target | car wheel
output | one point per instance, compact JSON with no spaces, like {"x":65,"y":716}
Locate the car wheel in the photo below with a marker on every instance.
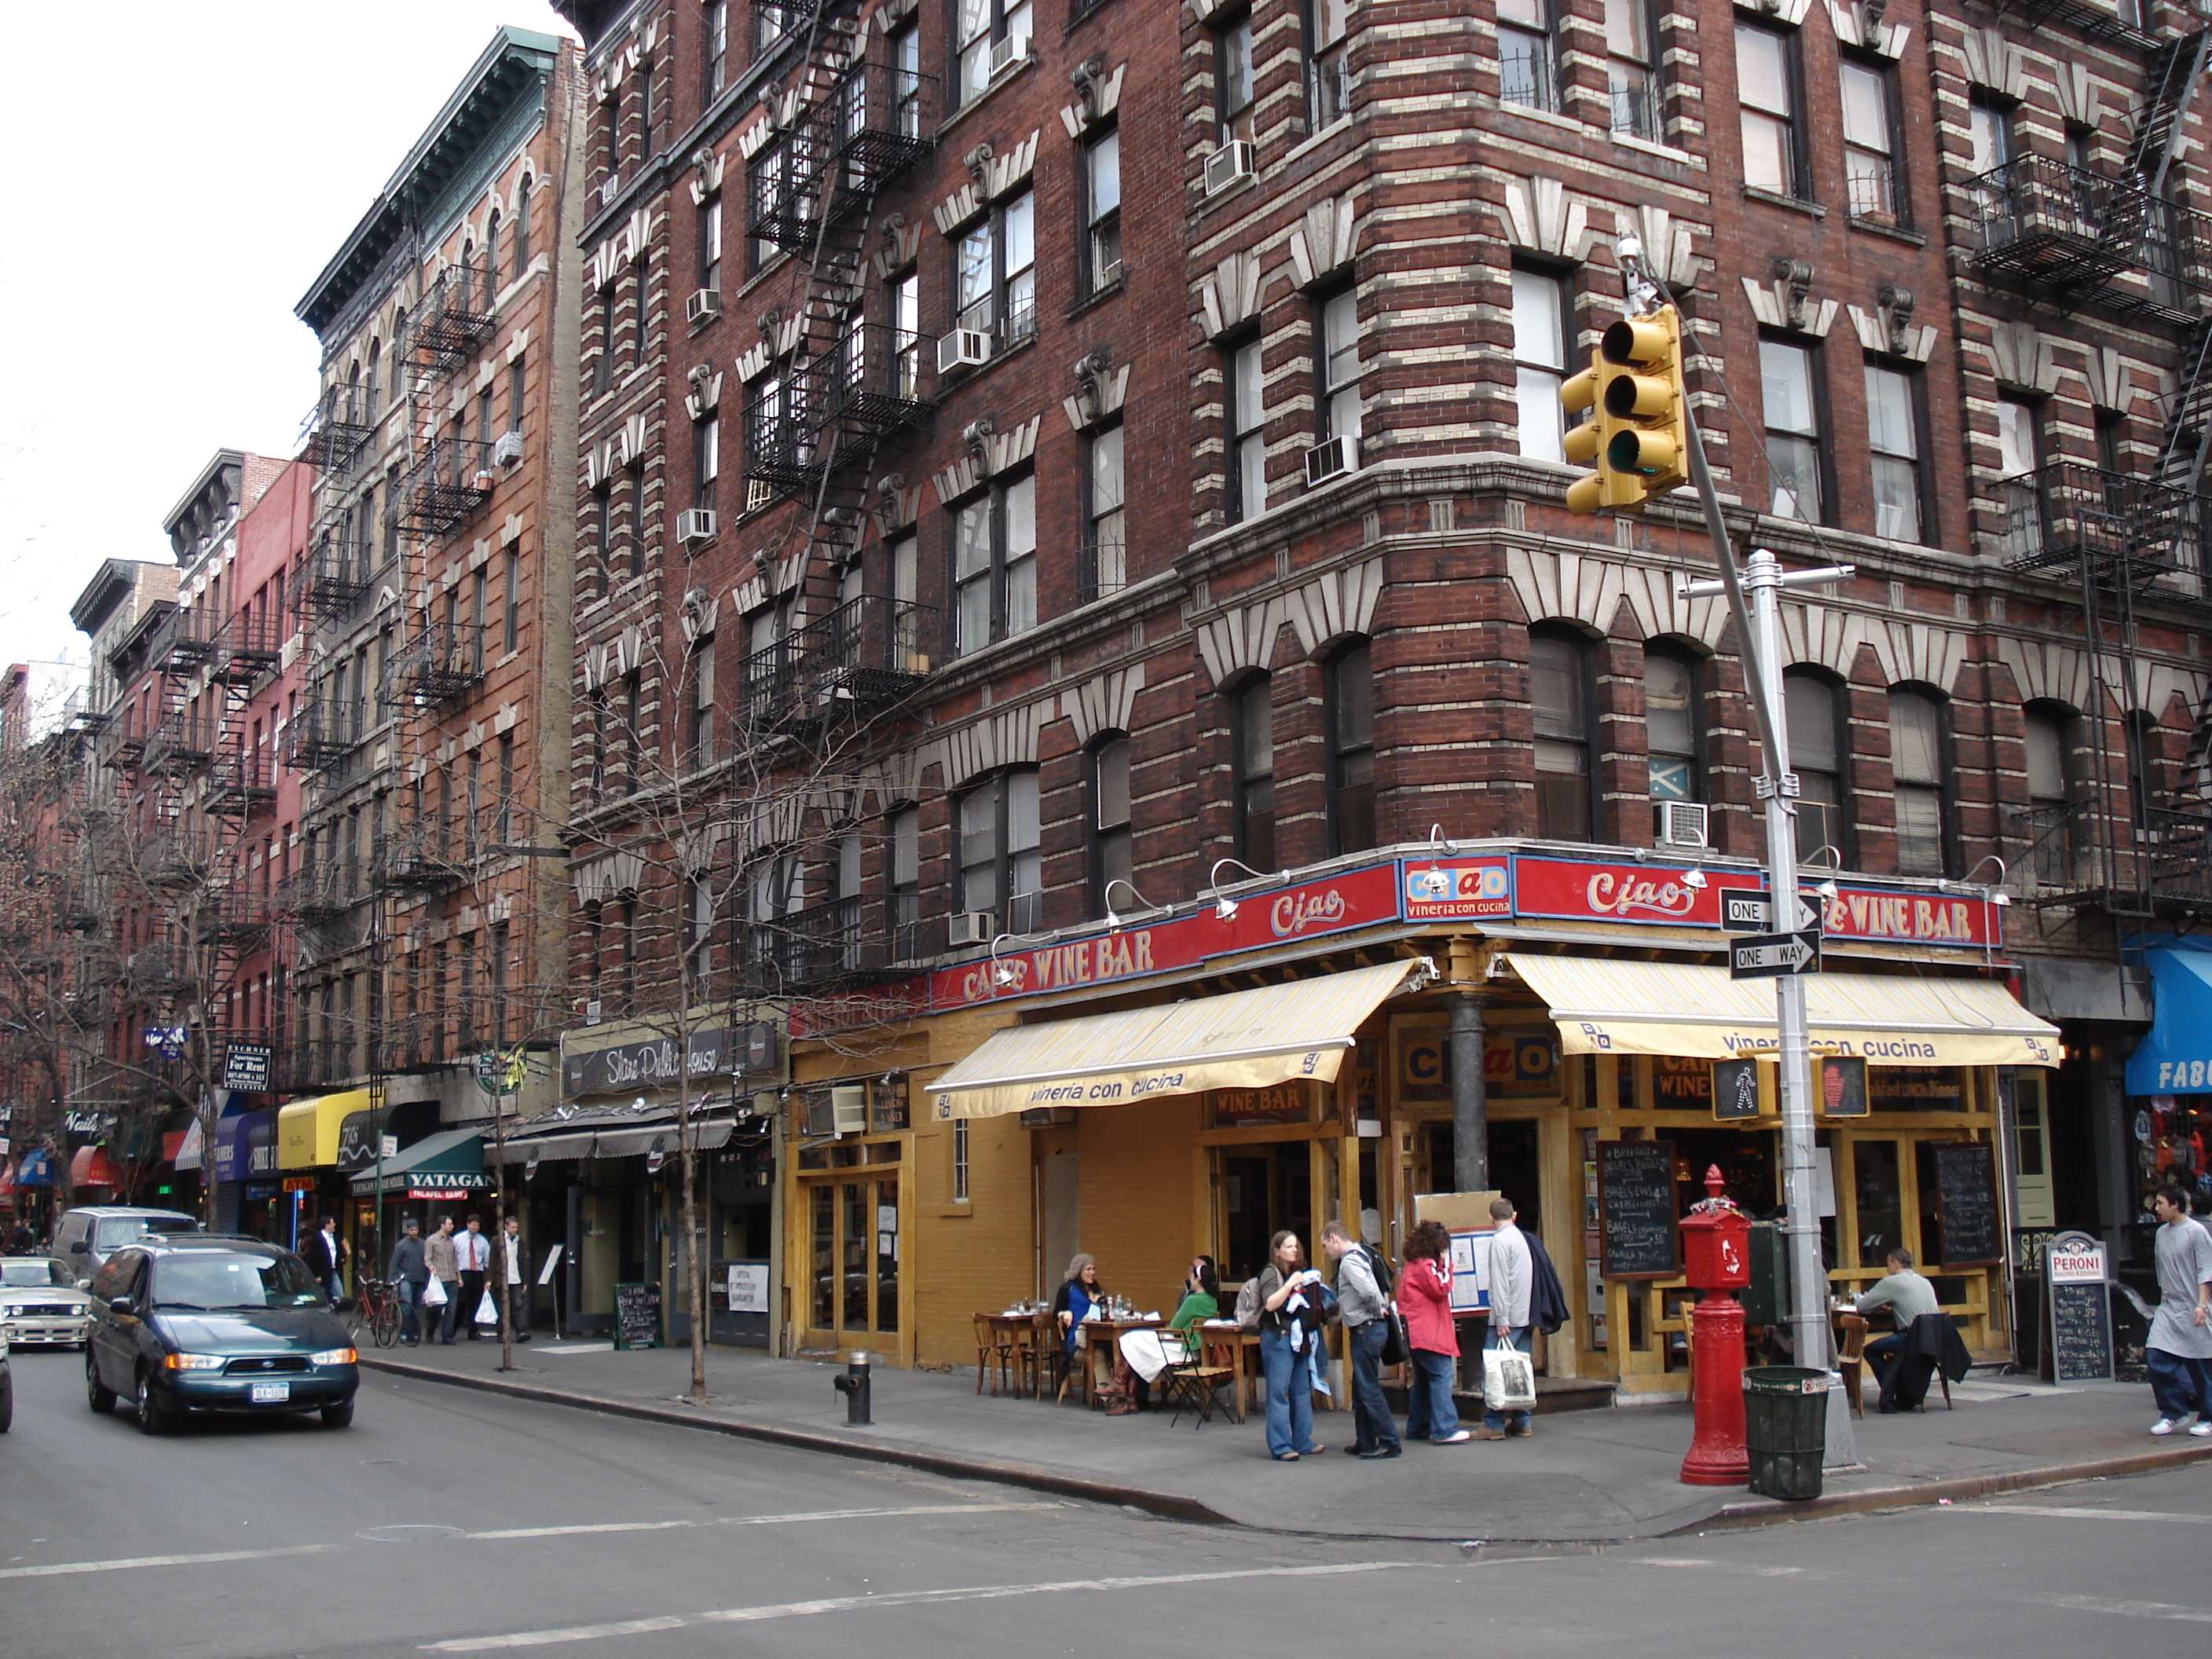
{"x":339,"y":1416}
{"x":154,"y":1417}
{"x":97,"y":1394}
{"x":7,"y":1405}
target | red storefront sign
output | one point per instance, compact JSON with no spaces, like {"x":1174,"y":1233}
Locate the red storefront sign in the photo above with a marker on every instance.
{"x":1455,"y":890}
{"x":1913,"y":918}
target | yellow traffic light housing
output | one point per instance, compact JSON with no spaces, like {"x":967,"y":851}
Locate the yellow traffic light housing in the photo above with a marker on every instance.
{"x":1636,"y":434}
{"x":1585,"y":441}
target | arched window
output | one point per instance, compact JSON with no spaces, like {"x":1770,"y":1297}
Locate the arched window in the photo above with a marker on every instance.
{"x":1920,"y":766}
{"x":522,"y":229}
{"x":1817,"y":756}
{"x":375,"y":365}
{"x":1559,"y":705}
{"x":353,"y":395}
{"x":1252,"y":733}
{"x":1673,"y":724}
{"x":1111,"y":854}
{"x":491,"y":260}
{"x":2053,"y":791}
{"x":1001,"y":863}
{"x":1349,"y":707}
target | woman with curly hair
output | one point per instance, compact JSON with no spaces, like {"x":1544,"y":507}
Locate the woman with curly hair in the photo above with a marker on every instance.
{"x":1424,"y":1299}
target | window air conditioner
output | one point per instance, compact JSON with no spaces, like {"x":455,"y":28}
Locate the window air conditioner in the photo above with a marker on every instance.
{"x":1331,"y":459}
{"x":1227,"y":165}
{"x":703,"y":307}
{"x":506,"y":449}
{"x":610,"y":187}
{"x":1681,"y":823}
{"x":973,"y":928}
{"x":848,"y":1108}
{"x":964,"y":348}
{"x":695,"y":525}
{"x":1008,"y":53}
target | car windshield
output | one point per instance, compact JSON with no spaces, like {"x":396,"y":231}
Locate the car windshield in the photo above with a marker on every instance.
{"x":115,"y":1231}
{"x":234,"y":1281}
{"x":37,"y":1272}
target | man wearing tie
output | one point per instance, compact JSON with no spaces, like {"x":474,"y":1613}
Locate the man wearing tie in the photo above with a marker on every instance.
{"x":472,"y":1255}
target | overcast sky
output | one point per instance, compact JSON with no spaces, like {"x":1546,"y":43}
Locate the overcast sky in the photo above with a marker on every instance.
{"x":172,"y":196}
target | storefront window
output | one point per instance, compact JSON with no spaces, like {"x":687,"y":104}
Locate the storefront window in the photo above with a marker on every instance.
{"x":1881,"y":1201}
{"x":886,"y":1232}
{"x":856,"y":1256}
{"x":1917,"y":1087}
{"x":824,"y":1222}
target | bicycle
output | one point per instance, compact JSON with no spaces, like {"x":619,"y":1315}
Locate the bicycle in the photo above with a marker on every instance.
{"x":377,"y":1306}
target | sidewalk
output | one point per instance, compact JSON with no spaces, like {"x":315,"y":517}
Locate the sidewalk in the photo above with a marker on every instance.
{"x":1583,"y":1477}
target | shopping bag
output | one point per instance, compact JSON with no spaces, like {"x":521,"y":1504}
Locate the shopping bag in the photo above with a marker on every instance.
{"x":487,"y":1309}
{"x":434,"y":1293}
{"x":1509,"y":1380}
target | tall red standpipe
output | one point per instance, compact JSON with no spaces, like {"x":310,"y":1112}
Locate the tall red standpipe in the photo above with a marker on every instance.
{"x":1717,"y":1260}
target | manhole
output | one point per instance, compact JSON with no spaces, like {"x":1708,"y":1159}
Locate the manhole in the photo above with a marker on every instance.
{"x":409,"y":1532}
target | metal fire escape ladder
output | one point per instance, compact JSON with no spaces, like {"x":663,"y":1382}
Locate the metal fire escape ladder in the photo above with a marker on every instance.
{"x":2168,"y":86}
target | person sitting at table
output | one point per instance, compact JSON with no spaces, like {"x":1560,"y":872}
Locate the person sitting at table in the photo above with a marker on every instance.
{"x":1079,"y":1293}
{"x":1201,"y":1295}
{"x":1907,"y":1296}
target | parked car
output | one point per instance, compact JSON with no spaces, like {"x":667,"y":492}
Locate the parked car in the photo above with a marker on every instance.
{"x":39,"y":1302}
{"x":203,"y":1323}
{"x":85,"y":1239}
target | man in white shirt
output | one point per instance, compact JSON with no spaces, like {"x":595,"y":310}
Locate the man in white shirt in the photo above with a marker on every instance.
{"x":472,"y":1255}
{"x":509,"y":1261}
{"x":1512,"y":1279}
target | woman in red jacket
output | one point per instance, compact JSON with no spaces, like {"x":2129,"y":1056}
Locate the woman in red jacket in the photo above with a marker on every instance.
{"x":1424,"y":1299}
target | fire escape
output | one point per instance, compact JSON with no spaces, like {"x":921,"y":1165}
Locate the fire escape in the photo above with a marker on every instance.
{"x":2121,"y":245}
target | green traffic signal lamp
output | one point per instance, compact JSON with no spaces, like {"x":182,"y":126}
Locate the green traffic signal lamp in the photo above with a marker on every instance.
{"x":1646,"y":406}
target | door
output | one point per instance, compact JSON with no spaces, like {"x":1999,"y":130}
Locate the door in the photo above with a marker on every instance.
{"x":853,"y":1249}
{"x":2034,"y":1201}
{"x":1061,"y":1185}
{"x":1265,"y":1188}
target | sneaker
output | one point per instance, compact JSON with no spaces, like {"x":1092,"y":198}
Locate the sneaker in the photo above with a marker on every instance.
{"x":1454,"y":1439}
{"x":1381,"y":1451}
{"x":1287,"y":1457}
{"x":2164,"y":1426}
{"x":1486,"y":1434}
{"x":1315,"y":1451}
{"x":1519,"y":1429}
{"x":2200,"y":1428}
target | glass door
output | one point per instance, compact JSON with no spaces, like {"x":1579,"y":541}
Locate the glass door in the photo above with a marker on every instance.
{"x":854,"y":1247}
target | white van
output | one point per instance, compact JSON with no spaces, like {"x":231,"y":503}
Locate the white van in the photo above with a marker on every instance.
{"x":86,"y":1238}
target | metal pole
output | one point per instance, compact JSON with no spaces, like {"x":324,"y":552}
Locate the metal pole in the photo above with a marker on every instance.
{"x":1470,"y":1098}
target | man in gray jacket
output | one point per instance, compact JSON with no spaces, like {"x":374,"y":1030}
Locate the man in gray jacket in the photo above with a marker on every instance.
{"x":409,"y":1271}
{"x":1360,"y":1304}
{"x":1512,"y":1276}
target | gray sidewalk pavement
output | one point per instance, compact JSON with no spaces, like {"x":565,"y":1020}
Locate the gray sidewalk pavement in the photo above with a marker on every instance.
{"x":1583,"y":1477}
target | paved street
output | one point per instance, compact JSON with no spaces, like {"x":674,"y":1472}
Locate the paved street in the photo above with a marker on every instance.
{"x":451,"y":1521}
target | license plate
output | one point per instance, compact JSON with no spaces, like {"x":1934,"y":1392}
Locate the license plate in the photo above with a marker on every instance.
{"x":272,"y":1393}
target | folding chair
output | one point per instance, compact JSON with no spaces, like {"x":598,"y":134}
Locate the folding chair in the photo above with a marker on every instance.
{"x":1188,"y":1380}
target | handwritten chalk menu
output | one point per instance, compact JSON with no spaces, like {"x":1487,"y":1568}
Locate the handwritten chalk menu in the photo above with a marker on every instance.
{"x":1967,"y":1201}
{"x":2079,"y":1308}
{"x":637,"y":1316}
{"x":1635,"y":1209}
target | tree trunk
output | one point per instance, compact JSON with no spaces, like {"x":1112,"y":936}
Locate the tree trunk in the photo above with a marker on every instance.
{"x":695,"y":1290}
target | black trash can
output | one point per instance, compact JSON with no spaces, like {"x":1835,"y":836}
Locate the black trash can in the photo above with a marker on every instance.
{"x":1785,"y":1429}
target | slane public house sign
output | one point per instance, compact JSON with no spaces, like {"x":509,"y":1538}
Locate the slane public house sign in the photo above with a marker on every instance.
{"x":651,"y":1062}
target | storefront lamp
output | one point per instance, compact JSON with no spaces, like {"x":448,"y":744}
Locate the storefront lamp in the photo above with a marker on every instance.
{"x":1694,"y":879}
{"x":1225,"y":908}
{"x":1115,"y":923}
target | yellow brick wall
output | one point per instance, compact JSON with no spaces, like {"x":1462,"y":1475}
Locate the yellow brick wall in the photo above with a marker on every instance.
{"x":1138,"y":1200}
{"x":974,"y":1257}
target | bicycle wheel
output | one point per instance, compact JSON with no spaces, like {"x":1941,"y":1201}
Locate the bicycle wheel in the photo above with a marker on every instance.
{"x":383,"y":1322}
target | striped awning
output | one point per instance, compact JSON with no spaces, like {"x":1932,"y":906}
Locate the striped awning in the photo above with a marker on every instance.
{"x":1241,"y":1040}
{"x":1607,"y":1007}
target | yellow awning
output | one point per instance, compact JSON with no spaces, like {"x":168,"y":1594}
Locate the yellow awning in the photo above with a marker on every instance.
{"x":1241,"y":1040}
{"x":307,"y":1130}
{"x":1606,"y":1007}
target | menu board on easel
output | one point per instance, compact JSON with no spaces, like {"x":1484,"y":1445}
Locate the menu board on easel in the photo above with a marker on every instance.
{"x":2079,"y":1310}
{"x":1637,"y":1235}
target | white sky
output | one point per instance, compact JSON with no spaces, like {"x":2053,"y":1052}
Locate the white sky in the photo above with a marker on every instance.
{"x":173,"y":197}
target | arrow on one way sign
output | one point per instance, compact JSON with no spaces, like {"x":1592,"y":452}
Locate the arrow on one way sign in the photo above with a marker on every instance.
{"x":1770,"y":955}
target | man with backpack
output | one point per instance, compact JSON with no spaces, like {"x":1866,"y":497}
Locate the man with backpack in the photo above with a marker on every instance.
{"x":1363,"y":1300}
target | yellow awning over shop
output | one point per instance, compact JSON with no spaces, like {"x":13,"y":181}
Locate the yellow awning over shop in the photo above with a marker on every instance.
{"x":1241,"y":1040}
{"x":1606,"y":1007}
{"x":307,"y":1130}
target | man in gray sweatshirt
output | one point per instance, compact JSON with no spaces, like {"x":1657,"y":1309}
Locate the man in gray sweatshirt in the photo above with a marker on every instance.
{"x":1512,"y":1278}
{"x":1360,"y":1304}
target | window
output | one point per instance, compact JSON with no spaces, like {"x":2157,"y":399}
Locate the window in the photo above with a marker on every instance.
{"x":1673,"y":727}
{"x":1232,"y":80}
{"x":706,"y":460}
{"x":1558,"y":690}
{"x":644,"y":110}
{"x":602,"y":537}
{"x":906,"y":334}
{"x":1105,"y":541}
{"x":1989,"y":134}
{"x":1524,"y":54}
{"x":637,"y":517}
{"x":714,"y":46}
{"x":1893,"y":440}
{"x":1766,"y":91}
{"x":376,"y":362}
{"x":994,"y":278}
{"x":1101,"y":207}
{"x":1349,"y":712}
{"x":1871,"y":183}
{"x":1110,"y":856}
{"x":1252,"y":733}
{"x":2018,"y":456}
{"x":1922,"y":778}
{"x":1246,"y":417}
{"x":699,"y":947}
{"x":510,"y":622}
{"x":603,"y":369}
{"x":2053,"y":812}
{"x":515,"y":401}
{"x":905,"y":908}
{"x":491,"y":260}
{"x":959,"y":1160}
{"x":1328,"y":73}
{"x":999,"y":859}
{"x":1540,"y":354}
{"x":1814,"y":721}
{"x":521,"y":229}
{"x":1791,"y":400}
{"x":710,"y":242}
{"x":905,"y":54}
{"x":775,"y":892}
{"x":484,"y":422}
{"x":503,"y":823}
{"x":2141,"y":735}
{"x":980,"y":26}
{"x":1631,"y":68}
{"x":637,"y":330}
{"x":700,"y":740}
{"x":994,"y":564}
{"x":1340,"y":365}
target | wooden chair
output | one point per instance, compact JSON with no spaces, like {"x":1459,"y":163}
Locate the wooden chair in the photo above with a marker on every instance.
{"x":1188,"y":1380}
{"x":1850,"y":1357}
{"x":994,"y":1354}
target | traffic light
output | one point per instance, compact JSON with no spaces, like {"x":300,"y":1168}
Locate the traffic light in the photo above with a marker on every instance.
{"x":1585,"y":442}
{"x":1639,"y":412}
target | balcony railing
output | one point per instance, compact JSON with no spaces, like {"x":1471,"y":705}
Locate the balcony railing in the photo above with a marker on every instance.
{"x":173,"y":857}
{"x":250,"y":646}
{"x":2051,"y":227}
{"x":316,"y":891}
{"x":238,"y":913}
{"x":182,"y":743}
{"x":456,"y":316}
{"x":428,"y":856}
{"x":2072,"y":520}
{"x":442,"y":662}
{"x":2159,"y":867}
{"x":451,"y":480}
{"x":870,"y":127}
{"x":869,"y":384}
{"x":320,"y":736}
{"x":330,"y":438}
{"x":334,"y":579}
{"x":1101,"y":565}
{"x":241,"y":780}
{"x":862,"y":657}
{"x":188,"y":637}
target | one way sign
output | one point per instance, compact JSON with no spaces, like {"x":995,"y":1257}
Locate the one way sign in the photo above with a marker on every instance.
{"x":1770,"y":955}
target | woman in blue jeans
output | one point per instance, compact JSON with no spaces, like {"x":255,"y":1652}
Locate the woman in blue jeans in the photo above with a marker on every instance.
{"x":1424,"y":1299}
{"x":1284,"y":1301}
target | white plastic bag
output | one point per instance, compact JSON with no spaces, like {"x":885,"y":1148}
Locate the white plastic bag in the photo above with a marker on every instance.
{"x":487,"y":1309}
{"x":1509,"y":1380}
{"x":434,"y":1293}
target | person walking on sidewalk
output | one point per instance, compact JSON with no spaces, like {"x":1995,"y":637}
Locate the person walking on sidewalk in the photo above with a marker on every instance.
{"x":410,"y":1272}
{"x":2180,"y":1336}
{"x":472,"y":1252}
{"x":1512,"y":1281}
{"x":1365,"y":1308}
{"x":445,"y":1267}
{"x":509,"y":1258}
{"x":325,"y":1252}
{"x":1425,"y":1298}
{"x":1283,"y":1303}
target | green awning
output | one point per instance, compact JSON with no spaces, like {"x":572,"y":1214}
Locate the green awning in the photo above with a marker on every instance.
{"x":447,"y":1164}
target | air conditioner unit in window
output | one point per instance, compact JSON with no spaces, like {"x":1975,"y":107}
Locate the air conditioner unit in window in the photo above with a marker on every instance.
{"x":1227,"y":166}
{"x":703,"y":307}
{"x":1331,"y":459}
{"x":610,"y":187}
{"x":1008,"y":53}
{"x":1681,"y":823}
{"x":506,"y":449}
{"x":695,"y":524}
{"x":964,"y":348}
{"x":972,"y":927}
{"x":848,"y":1108}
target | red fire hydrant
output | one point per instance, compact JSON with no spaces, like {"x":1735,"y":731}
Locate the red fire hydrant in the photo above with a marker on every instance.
{"x":1716,"y":1252}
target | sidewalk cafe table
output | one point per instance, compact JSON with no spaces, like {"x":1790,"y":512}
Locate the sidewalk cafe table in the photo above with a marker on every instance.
{"x":1101,"y":1340}
{"x":1227,"y":1342}
{"x":1019,"y":1332}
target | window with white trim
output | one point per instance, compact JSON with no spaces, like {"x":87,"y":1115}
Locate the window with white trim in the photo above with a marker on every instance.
{"x":980,"y":26}
{"x":994,"y":564}
{"x":1245,"y":415}
{"x":1340,"y":365}
{"x":1101,"y":209}
{"x":1328,"y":73}
{"x":1001,"y":863}
{"x":1540,"y":359}
{"x":994,"y":272}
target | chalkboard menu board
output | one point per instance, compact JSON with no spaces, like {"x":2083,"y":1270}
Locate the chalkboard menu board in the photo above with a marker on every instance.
{"x":2080,"y":1309}
{"x":1967,"y":1201}
{"x":1635,"y":1209}
{"x":637,"y":1316}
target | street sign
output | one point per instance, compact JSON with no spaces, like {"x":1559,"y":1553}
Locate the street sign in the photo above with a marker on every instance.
{"x":501,"y":1072}
{"x":1745,"y":910}
{"x":1770,"y":956}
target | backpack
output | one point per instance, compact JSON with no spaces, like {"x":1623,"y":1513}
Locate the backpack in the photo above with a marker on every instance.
{"x":1386,"y":1276}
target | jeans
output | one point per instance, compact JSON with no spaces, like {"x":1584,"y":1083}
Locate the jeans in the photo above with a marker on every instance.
{"x":410,"y":1310}
{"x":519,"y":1296}
{"x":2179,"y":1384}
{"x":446,"y":1314}
{"x":1370,"y":1413}
{"x":1517,"y":1421}
{"x":1880,"y":1355}
{"x":1430,"y":1413}
{"x":1290,"y":1395}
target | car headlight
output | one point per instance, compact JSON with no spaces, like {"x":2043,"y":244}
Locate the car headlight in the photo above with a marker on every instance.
{"x":193,"y":1362}
{"x":333,"y":1357}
